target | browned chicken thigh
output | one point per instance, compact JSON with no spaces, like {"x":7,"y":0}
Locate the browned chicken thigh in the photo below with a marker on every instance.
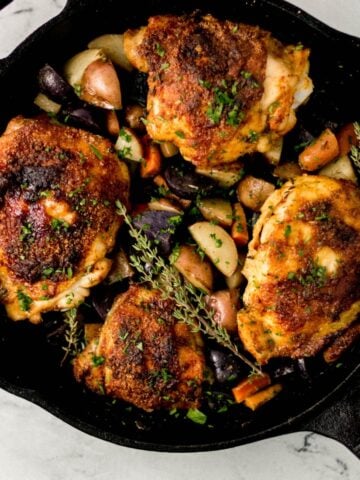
{"x":303,"y":269}
{"x":58,"y":220}
{"x":218,"y":89}
{"x":143,"y":355}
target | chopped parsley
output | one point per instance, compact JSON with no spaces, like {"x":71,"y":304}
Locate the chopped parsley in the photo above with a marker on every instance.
{"x":159,"y":49}
{"x":225,"y":105}
{"x":218,"y":241}
{"x":97,"y":360}
{"x":96,"y":152}
{"x":24,"y":301}
{"x":180,"y":134}
{"x":196,"y":416}
{"x":26,"y":232}
{"x":287,"y":231}
{"x":57,"y":224}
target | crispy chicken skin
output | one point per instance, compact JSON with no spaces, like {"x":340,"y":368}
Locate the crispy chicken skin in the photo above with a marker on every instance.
{"x":147,"y":357}
{"x":217,"y":89}
{"x":303,"y":269}
{"x":58,"y":218}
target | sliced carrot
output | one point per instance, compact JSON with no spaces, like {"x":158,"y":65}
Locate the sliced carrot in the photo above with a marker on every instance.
{"x":322,"y":151}
{"x":239,"y":230}
{"x":346,"y":138}
{"x":257,"y":400}
{"x":251,"y":385}
{"x":112,"y":123}
{"x":139,"y":208}
{"x":151,"y":164}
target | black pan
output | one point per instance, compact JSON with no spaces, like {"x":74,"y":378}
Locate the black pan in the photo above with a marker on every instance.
{"x":28,"y":366}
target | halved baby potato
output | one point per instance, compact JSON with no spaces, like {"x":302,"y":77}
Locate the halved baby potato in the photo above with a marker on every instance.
{"x":195,"y":269}
{"x":216,"y":210}
{"x":94,"y":79}
{"x":340,"y":168}
{"x":217,"y":245}
{"x":225,"y":175}
{"x":113,"y":46}
{"x":129,"y":146}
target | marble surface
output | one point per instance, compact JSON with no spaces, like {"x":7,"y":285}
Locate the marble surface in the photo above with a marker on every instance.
{"x":36,"y":446}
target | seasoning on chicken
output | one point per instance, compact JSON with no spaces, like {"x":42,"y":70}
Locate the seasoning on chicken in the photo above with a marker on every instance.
{"x":143,"y":355}
{"x":218,"y":89}
{"x":58,"y":187}
{"x":303,"y":269}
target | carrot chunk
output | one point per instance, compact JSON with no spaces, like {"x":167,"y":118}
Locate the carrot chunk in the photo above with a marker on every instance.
{"x":251,"y":385}
{"x":151,"y":164}
{"x":239,"y":230}
{"x":322,"y":151}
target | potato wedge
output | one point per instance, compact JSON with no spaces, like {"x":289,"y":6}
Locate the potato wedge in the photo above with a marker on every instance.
{"x":217,"y":245}
{"x":134,"y":115}
{"x":168,"y":149}
{"x":113,"y":46}
{"x":166,"y":205}
{"x":322,"y":151}
{"x":129,"y":146}
{"x":225,"y":306}
{"x":195,"y":269}
{"x":94,"y":79}
{"x":252,"y":192}
{"x":46,"y":104}
{"x":216,"y":210}
{"x":340,"y":168}
{"x":287,"y":171}
{"x":225,"y":175}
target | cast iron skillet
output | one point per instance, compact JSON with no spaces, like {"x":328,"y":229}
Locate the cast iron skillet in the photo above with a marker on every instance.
{"x":28,"y":366}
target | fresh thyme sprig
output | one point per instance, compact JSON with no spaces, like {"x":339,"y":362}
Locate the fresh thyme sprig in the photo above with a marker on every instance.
{"x":190,"y":304}
{"x":72,"y":334}
{"x":355,"y":149}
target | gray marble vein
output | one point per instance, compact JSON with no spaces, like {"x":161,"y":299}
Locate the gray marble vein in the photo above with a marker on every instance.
{"x":34,"y":445}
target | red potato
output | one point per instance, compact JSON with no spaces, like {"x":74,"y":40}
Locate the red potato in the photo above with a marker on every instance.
{"x":319,"y":153}
{"x":239,"y":230}
{"x":100,"y":85}
{"x":250,"y":386}
{"x":112,"y":123}
{"x":225,"y":306}
{"x":252,"y":192}
{"x":196,"y":270}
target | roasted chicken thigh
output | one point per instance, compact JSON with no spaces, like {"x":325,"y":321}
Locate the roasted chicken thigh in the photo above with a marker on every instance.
{"x":303,"y":269}
{"x":143,"y":355}
{"x":218,"y":89}
{"x":58,"y":220}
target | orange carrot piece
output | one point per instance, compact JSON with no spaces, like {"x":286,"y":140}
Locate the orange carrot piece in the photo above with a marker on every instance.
{"x":257,"y":400}
{"x":151,"y":164}
{"x":249,"y":386}
{"x":346,"y":139}
{"x":239,"y":230}
{"x":322,"y":151}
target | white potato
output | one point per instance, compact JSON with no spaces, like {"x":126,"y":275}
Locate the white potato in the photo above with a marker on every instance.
{"x":75,"y":67}
{"x":225,"y":175}
{"x":340,"y":168}
{"x":113,"y":46}
{"x":195,"y":269}
{"x":46,"y":104}
{"x":217,"y":245}
{"x":216,"y":210}
{"x":129,"y":146}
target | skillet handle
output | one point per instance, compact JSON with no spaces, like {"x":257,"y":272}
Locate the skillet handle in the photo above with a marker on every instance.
{"x":341,"y":421}
{"x":3,"y":3}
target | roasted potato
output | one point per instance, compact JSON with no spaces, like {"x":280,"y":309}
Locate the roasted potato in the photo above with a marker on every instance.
{"x":195,"y":269}
{"x":252,"y":192}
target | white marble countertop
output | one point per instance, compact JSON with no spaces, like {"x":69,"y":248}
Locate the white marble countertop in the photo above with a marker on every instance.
{"x":36,"y":446}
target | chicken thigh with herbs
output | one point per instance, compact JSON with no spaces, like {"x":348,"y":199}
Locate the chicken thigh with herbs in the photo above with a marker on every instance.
{"x":143,"y":355}
{"x":58,"y":220}
{"x":303,"y":269}
{"x":218,"y":89}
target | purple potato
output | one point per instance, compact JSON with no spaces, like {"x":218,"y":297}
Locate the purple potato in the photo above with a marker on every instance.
{"x":82,"y":116}
{"x":185,"y":182}
{"x":54,"y":86}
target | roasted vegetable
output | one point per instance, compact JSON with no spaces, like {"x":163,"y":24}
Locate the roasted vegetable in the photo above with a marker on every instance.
{"x":151,"y":162}
{"x":94,"y":79}
{"x":217,"y":245}
{"x":226,"y":368}
{"x":134,"y":116}
{"x":340,"y":168}
{"x":54,"y":86}
{"x":46,"y":104}
{"x":183,"y":180}
{"x":320,"y":152}
{"x":239,"y":230}
{"x":113,"y":46}
{"x":195,"y":269}
{"x":252,"y":192}
{"x":159,"y":227}
{"x":83,"y":116}
{"x":216,"y":210}
{"x":225,"y":304}
{"x":260,"y":398}
{"x":225,"y":175}
{"x":128,"y":145}
{"x":112,"y":123}
{"x":249,"y":386}
{"x":168,"y":149}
